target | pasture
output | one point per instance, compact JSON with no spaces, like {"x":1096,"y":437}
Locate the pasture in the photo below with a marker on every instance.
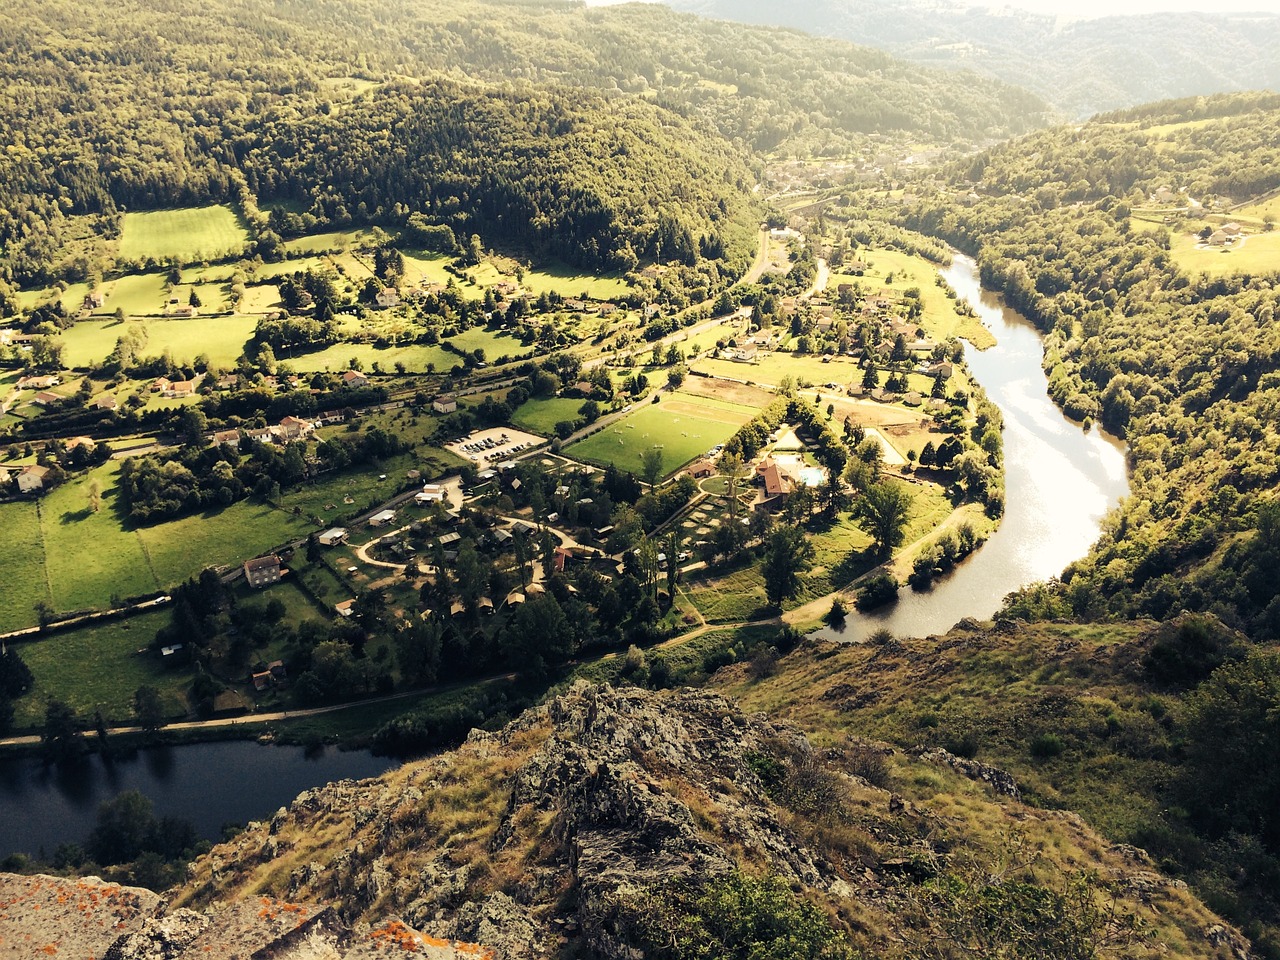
{"x":335,"y":241}
{"x":23,"y":581}
{"x":99,"y":668}
{"x":221,"y":339}
{"x":192,"y":233}
{"x":569,"y":282}
{"x":683,"y":425}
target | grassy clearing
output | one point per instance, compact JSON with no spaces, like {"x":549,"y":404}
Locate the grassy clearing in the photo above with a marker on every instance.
{"x":684,"y":425}
{"x":569,"y":283}
{"x":91,"y":556}
{"x":221,"y":339}
{"x":138,"y":294}
{"x":193,"y":233}
{"x":541,"y":416}
{"x":728,"y":598}
{"x":423,"y":267}
{"x":71,"y":297}
{"x":494,"y":343}
{"x":770,"y":368}
{"x":23,"y":579}
{"x":99,"y":668}
{"x":1257,"y":253}
{"x":335,"y":240}
{"x":182,"y":548}
{"x":415,"y":357}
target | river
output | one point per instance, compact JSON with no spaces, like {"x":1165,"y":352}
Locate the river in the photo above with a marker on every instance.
{"x":1060,"y":481}
{"x":209,"y":784}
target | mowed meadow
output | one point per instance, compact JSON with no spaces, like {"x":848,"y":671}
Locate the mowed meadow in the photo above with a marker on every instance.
{"x":191,"y":233}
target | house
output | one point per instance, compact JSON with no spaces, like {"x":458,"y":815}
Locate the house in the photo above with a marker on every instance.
{"x":261,"y":680}
{"x":515,"y":598}
{"x":229,"y":382}
{"x":180,"y":388}
{"x":431,"y":493}
{"x":456,"y":609}
{"x":742,"y":354}
{"x":277,"y":669}
{"x":181,"y":311}
{"x":332,"y":537}
{"x":291,"y":428}
{"x":700,"y":469}
{"x":346,"y":608}
{"x":75,"y":443}
{"x":943,"y":370}
{"x":449,"y":539}
{"x":31,"y":478}
{"x":354,"y":378}
{"x":38,"y":383}
{"x":161,"y":384}
{"x":445,"y":403}
{"x":777,"y":483}
{"x":485,"y":606}
{"x":93,"y":301}
{"x":584,"y":387}
{"x":388,"y":297}
{"x":45,"y":398}
{"x":262,"y":571}
{"x":226,"y":438}
{"x":1231,"y":229}
{"x":108,"y":402}
{"x":382,"y":518}
{"x":1218,"y":238}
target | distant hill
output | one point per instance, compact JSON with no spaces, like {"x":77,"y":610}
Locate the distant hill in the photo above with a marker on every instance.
{"x":1080,"y":67}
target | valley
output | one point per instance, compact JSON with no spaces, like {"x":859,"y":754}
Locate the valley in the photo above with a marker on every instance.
{"x":613,"y":425}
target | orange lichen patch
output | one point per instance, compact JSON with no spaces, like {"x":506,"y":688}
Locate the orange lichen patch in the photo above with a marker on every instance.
{"x":49,"y":948}
{"x":397,"y":936}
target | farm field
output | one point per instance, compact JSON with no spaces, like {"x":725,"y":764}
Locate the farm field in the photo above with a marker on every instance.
{"x":324,"y":242}
{"x":1258,"y":252}
{"x":569,"y":283}
{"x":99,"y":668}
{"x":90,"y":556}
{"x":138,"y":294}
{"x":684,"y":425}
{"x":221,"y":339}
{"x":182,"y":548}
{"x":192,"y":233}
{"x":71,"y":298}
{"x":541,"y":416}
{"x":22,"y":560}
{"x":426,"y":267}
{"x":770,"y":368}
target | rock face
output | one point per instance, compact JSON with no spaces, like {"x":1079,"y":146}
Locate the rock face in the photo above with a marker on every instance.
{"x":555,"y":835}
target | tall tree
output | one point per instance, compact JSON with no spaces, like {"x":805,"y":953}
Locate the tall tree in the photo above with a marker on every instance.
{"x":883,"y":510}
{"x":787,"y":554}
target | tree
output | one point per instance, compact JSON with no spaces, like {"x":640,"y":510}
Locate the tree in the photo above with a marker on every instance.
{"x":148,"y":708}
{"x":541,"y":637}
{"x":194,"y":300}
{"x":673,"y":567}
{"x":732,"y":468}
{"x":883,"y":510}
{"x":787,"y":553}
{"x":60,"y":737}
{"x":651,"y":465}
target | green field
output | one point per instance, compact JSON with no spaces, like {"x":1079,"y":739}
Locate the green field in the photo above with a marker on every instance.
{"x":569,"y":283}
{"x":98,"y":668}
{"x":541,"y":416}
{"x":90,"y":556}
{"x":193,"y":233}
{"x":221,"y":339}
{"x":138,"y":294}
{"x":22,"y":560}
{"x":182,"y":548}
{"x":769,"y":370}
{"x":336,"y":240}
{"x":684,"y":426}
{"x":1258,"y":253}
{"x":71,"y":297}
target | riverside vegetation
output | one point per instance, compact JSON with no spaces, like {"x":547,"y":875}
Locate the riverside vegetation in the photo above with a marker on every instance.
{"x":323,"y":171}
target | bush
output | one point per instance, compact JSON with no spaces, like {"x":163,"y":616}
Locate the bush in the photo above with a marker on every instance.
{"x":1047,"y":745}
{"x":877,"y":591}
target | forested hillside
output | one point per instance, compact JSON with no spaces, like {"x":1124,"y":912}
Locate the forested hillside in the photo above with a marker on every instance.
{"x":97,"y":119}
{"x":1183,"y":363}
{"x":1079,"y":66}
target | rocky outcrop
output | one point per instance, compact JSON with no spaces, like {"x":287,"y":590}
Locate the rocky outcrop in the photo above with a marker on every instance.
{"x":556,"y":834}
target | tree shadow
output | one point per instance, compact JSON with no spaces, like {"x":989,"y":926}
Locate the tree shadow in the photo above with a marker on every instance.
{"x":75,"y":516}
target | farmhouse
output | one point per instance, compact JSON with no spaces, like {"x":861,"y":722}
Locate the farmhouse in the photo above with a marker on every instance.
{"x":161,"y":384}
{"x":346,"y":608}
{"x":44,"y":398}
{"x":31,"y":478}
{"x":262,"y":572}
{"x":700,"y":469}
{"x":382,"y":518}
{"x":332,"y":537}
{"x":354,"y":378}
{"x":445,"y":403}
{"x":108,"y":402}
{"x":226,"y":438}
{"x":92,"y":301}
{"x":180,"y":388}
{"x":388,"y":297}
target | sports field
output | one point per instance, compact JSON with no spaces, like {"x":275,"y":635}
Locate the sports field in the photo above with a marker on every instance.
{"x":682,"y":425}
{"x":192,"y":233}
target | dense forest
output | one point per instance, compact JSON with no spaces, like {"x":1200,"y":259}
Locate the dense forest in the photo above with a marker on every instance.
{"x":97,"y":120}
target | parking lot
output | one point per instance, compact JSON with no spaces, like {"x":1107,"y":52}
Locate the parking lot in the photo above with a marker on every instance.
{"x":484,"y":448}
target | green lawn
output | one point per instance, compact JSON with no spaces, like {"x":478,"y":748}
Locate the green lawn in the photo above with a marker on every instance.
{"x":22,"y":563}
{"x":336,"y":240}
{"x":221,"y":339}
{"x":494,"y":343}
{"x":683,"y":425}
{"x":138,"y":294}
{"x":193,"y":233}
{"x":182,"y":548}
{"x":71,"y":297}
{"x":541,"y":416}
{"x":570,"y":283}
{"x":99,"y":668}
{"x":1258,"y":252}
{"x":416,"y":357}
{"x":90,"y":556}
